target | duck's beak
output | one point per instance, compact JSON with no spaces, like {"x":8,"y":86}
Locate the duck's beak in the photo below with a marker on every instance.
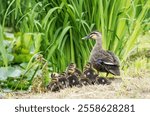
{"x":86,"y":37}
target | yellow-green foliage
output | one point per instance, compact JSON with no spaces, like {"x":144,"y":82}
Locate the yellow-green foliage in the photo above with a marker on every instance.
{"x":138,"y":64}
{"x":64,"y":22}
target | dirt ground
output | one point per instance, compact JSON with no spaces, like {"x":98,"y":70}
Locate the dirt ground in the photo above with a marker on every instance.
{"x":119,"y":88}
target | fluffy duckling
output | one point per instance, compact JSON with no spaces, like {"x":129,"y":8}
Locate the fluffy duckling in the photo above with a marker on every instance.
{"x":72,"y":77}
{"x":77,"y":72}
{"x":102,"y":61}
{"x":54,"y":85}
{"x":102,"y":80}
{"x":90,"y":73}
{"x":63,"y":80}
{"x":85,"y":81}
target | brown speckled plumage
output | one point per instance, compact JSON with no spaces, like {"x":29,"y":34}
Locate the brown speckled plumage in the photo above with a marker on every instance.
{"x":103,"y":61}
{"x":73,"y":75}
{"x":90,"y":73}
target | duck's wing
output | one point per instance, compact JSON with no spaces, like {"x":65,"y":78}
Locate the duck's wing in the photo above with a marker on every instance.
{"x":108,"y":58}
{"x":115,"y":58}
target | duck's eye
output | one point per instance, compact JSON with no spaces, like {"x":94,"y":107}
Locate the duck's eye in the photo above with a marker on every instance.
{"x":93,"y":36}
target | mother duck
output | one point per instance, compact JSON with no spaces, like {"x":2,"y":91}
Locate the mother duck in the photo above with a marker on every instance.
{"x":102,"y":61}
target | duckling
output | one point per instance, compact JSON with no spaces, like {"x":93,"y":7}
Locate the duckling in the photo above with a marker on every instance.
{"x":54,"y":85}
{"x":76,"y":71}
{"x":63,"y":80}
{"x":102,"y":80}
{"x":102,"y":61}
{"x":90,"y":73}
{"x":85,"y":81}
{"x":72,"y":77}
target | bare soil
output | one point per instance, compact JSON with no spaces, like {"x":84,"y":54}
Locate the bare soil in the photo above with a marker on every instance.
{"x":119,"y":88}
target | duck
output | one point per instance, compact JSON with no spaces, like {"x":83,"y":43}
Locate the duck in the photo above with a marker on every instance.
{"x":102,"y":60}
{"x":54,"y":85}
{"x":90,"y":73}
{"x":72,"y":76}
{"x":84,"y":81}
{"x":72,"y":66}
{"x":102,"y":81}
{"x":62,"y":79}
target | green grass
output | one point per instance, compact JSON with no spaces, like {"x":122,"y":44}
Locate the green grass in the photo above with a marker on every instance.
{"x":62,"y":24}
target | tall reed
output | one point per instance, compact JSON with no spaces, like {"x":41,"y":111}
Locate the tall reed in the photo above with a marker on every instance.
{"x":65,"y":22}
